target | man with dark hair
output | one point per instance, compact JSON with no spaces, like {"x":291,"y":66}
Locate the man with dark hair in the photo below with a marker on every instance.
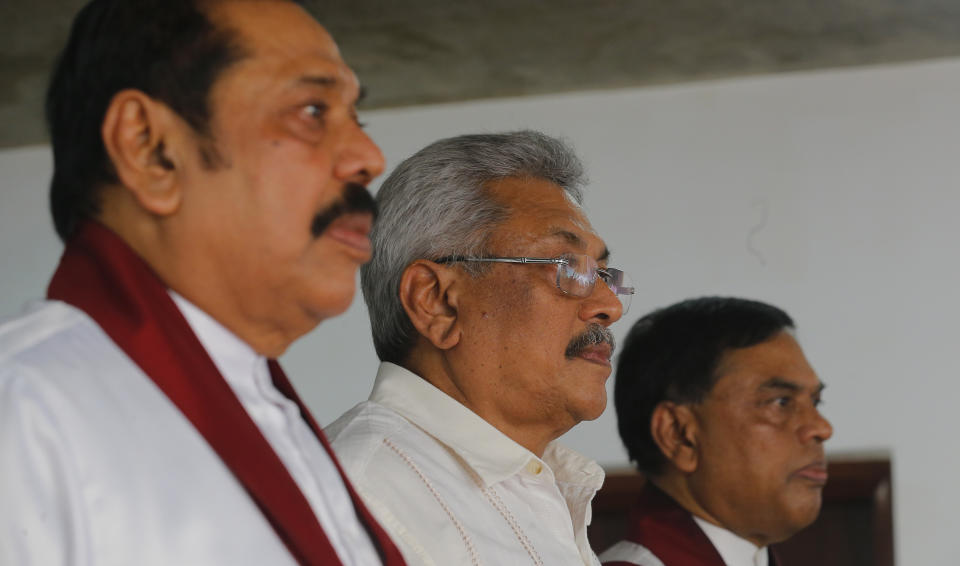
{"x":717,"y":406}
{"x":490,"y":298}
{"x":209,"y":185}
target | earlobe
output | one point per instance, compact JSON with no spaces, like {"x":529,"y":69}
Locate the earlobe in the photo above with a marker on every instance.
{"x":427,"y":295}
{"x":135,"y":134}
{"x":674,"y":430}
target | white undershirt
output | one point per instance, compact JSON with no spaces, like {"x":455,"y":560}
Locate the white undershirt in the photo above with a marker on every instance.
{"x":280,"y":422}
{"x":734,"y":550}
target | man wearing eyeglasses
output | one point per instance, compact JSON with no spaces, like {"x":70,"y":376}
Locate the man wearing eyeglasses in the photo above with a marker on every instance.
{"x":490,"y":301}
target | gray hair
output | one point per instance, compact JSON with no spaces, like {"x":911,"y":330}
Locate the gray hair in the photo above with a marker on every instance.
{"x":434,"y":205}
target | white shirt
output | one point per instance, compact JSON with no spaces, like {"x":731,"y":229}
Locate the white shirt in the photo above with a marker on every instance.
{"x":99,"y":468}
{"x":281,"y":423}
{"x":452,"y":489}
{"x":734,"y":550}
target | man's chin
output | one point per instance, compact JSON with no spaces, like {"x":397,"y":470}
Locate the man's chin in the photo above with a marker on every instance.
{"x":804,"y":509}
{"x":334,"y":302}
{"x":591,"y":409}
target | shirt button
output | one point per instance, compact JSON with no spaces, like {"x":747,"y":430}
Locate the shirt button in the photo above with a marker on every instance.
{"x":534,"y":467}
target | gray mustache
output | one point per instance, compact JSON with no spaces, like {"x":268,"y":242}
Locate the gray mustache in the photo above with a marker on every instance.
{"x":594,"y":334}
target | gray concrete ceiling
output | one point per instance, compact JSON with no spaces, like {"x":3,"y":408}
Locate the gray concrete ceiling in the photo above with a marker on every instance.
{"x":427,"y":51}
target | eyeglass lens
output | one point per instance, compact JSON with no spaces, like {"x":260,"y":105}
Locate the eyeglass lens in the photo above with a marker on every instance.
{"x":578,"y":275}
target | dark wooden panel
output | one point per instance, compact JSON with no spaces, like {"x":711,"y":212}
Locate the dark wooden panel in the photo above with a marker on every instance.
{"x":855,"y":526}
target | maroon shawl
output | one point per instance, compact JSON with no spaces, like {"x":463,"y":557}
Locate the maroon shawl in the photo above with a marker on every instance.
{"x":668,"y":530}
{"x":100,"y":275}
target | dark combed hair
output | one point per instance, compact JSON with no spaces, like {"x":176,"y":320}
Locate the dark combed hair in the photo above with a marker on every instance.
{"x":673,"y":354}
{"x":168,"y":49}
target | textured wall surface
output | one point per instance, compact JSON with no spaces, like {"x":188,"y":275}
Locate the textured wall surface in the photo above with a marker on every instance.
{"x":427,"y":51}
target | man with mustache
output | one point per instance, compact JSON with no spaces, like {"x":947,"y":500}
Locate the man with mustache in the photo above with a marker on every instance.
{"x":490,"y":297}
{"x":209,"y":175}
{"x":717,"y":406}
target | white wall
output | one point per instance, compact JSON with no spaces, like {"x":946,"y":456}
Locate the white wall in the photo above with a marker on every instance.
{"x":829,"y":194}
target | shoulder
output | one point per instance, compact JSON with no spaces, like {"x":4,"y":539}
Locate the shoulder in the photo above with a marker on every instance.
{"x":37,"y":327}
{"x":626,"y":553}
{"x":395,"y":462}
{"x":367,"y":423}
{"x":52,"y":343}
{"x":371,"y":435}
{"x":57,"y":365}
{"x":41,"y":398}
{"x":47,"y":342}
{"x":410,"y":481}
{"x":364,"y":433}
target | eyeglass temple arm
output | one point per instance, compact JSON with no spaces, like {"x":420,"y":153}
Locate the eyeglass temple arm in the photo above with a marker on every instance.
{"x":505,"y":259}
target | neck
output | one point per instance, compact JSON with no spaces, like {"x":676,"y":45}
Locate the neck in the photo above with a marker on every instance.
{"x":678,"y":487}
{"x":471,"y":388}
{"x":182,"y":265}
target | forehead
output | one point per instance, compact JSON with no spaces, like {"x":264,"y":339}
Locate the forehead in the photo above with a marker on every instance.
{"x":280,"y":39}
{"x":541,"y":212}
{"x":745,"y":371}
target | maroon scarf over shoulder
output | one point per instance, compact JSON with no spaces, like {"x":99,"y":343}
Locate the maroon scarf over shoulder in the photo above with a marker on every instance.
{"x":100,"y":275}
{"x":668,"y":530}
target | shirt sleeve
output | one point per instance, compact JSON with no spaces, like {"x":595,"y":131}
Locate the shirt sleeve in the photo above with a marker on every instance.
{"x":41,"y":517}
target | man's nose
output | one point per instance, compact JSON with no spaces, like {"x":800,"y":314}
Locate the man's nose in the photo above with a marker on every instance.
{"x":818,"y":428}
{"x":602,"y":306}
{"x":360,"y":160}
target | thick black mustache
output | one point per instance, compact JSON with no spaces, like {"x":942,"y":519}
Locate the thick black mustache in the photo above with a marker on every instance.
{"x":594,"y":334}
{"x":355,"y":198}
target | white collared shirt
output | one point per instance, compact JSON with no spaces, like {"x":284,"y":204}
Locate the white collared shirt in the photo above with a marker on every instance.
{"x":99,"y":468}
{"x":452,"y":489}
{"x":279,"y":420}
{"x":734,"y":550}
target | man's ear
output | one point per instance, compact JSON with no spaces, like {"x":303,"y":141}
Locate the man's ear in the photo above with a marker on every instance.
{"x":674,"y":429}
{"x":428,"y":296}
{"x":137,"y":132}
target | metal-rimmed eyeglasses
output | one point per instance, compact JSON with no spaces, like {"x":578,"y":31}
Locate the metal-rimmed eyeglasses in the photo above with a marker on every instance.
{"x":576,"y":274}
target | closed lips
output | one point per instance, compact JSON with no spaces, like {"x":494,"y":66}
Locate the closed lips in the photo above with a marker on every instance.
{"x":352,"y":229}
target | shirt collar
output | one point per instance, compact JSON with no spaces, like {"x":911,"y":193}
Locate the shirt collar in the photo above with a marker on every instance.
{"x":237,"y":362}
{"x":734,"y":550}
{"x":491,"y":454}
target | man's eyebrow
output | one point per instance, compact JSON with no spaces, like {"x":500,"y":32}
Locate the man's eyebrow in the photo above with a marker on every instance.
{"x":318,"y":80}
{"x":577,"y":241}
{"x":779,"y":383}
{"x":328,"y":82}
{"x":569,"y":237}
